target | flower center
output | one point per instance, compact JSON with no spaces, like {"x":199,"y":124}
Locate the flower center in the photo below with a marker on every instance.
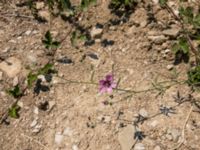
{"x":107,"y":83}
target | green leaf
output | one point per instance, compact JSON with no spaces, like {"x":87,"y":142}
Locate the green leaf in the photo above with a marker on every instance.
{"x":85,"y":3}
{"x":50,"y":3}
{"x":15,"y":92}
{"x":194,"y":76}
{"x":31,"y":78}
{"x":175,"y":48}
{"x":196,"y":21}
{"x":13,"y":112}
{"x":83,"y":37}
{"x":55,"y":44}
{"x":184,"y":45}
{"x":66,"y":4}
{"x":45,"y":70}
{"x":162,"y":2}
{"x":48,"y":41}
{"x":48,"y":36}
{"x":73,"y":38}
{"x":186,"y":14}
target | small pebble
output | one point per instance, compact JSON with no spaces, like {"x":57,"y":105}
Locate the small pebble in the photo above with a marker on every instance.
{"x":1,"y":75}
{"x":28,"y":32}
{"x":58,"y":138}
{"x":68,"y":132}
{"x":169,"y":137}
{"x":51,"y":105}
{"x":34,"y":123}
{"x":74,"y":147}
{"x":15,"y":81}
{"x":143,"y":112}
{"x":42,"y":77}
{"x":170,"y":67}
{"x":36,"y":130}
{"x":20,"y":104}
{"x":96,"y":32}
{"x":36,"y":110}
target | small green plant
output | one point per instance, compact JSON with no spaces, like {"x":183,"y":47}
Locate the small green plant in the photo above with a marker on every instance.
{"x":86,"y":3}
{"x":181,"y":50}
{"x":122,"y":8}
{"x":188,"y":16}
{"x":49,"y":42}
{"x":181,"y":46}
{"x":75,"y":36}
{"x":13,"y":112}
{"x":15,"y":92}
{"x":32,"y":77}
{"x":65,"y":5}
{"x":194,"y":76}
{"x":119,"y":4}
{"x":162,"y":2}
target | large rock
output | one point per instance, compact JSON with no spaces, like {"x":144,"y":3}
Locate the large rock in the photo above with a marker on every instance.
{"x":158,"y":39}
{"x":12,"y":66}
{"x":44,"y":14}
{"x":126,"y":137}
{"x":171,"y":32}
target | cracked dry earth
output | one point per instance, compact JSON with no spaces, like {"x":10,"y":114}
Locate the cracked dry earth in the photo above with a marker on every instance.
{"x":77,"y":117}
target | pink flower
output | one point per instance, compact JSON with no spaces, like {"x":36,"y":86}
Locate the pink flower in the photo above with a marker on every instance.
{"x":107,"y":84}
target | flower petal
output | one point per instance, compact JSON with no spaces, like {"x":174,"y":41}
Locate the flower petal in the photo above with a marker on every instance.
{"x":109,"y":90}
{"x":101,"y":82}
{"x":102,"y":90}
{"x":113,"y":85}
{"x":109,"y":77}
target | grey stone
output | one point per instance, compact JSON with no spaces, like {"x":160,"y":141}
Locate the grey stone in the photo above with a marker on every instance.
{"x":126,"y":137}
{"x":12,"y":66}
